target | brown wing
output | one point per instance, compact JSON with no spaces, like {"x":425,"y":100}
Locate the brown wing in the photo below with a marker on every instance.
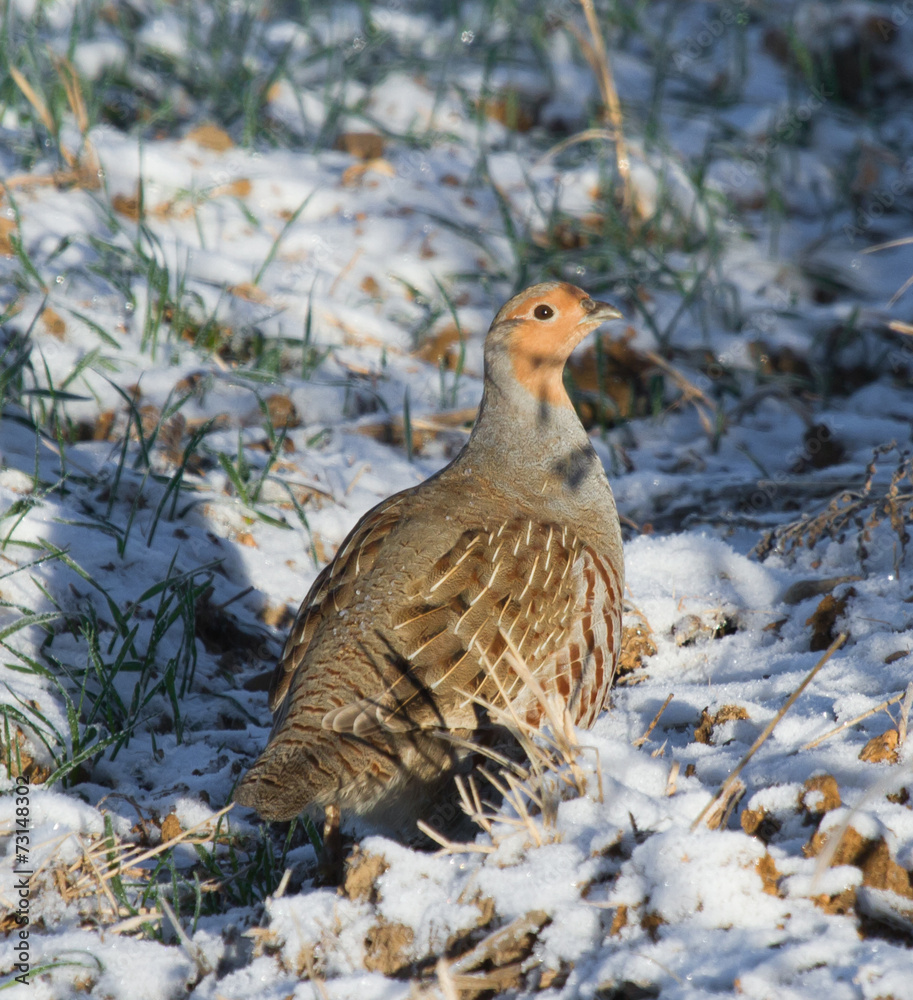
{"x":334,"y":588}
{"x":533,"y":586}
{"x":584,"y":667}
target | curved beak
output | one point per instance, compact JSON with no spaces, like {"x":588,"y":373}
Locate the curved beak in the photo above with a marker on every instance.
{"x":597,"y":312}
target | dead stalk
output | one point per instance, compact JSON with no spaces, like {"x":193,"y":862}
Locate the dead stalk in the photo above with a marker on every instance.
{"x":596,"y":55}
{"x":905,"y":715}
{"x":852,"y":722}
{"x":691,"y":393}
{"x":672,"y":780}
{"x":133,"y":856}
{"x":83,"y":166}
{"x":452,"y":846}
{"x":587,"y":135}
{"x":639,"y":742}
{"x":445,"y":980}
{"x":128,"y":926}
{"x":41,"y":109}
{"x":768,"y":729}
{"x":718,"y":817}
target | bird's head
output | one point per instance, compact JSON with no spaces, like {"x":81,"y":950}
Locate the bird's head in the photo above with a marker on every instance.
{"x":536,"y":331}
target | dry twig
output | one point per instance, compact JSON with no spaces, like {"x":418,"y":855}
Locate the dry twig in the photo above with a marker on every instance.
{"x":595,"y":53}
{"x":862,"y":508}
{"x":725,"y":788}
{"x":126,"y":858}
{"x":905,"y":715}
{"x":639,"y":742}
{"x":852,"y":722}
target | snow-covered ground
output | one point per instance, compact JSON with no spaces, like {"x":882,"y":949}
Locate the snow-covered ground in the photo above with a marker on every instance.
{"x":232,"y":323}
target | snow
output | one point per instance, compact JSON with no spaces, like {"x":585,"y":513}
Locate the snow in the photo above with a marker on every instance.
{"x":280,"y":266}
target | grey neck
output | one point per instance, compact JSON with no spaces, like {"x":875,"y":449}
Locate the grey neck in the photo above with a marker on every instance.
{"x":538,"y":450}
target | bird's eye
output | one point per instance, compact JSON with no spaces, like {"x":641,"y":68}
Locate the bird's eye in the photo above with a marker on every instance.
{"x":543,"y":312}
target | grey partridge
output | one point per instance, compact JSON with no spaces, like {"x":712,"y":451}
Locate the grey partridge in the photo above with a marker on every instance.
{"x":512,"y":549}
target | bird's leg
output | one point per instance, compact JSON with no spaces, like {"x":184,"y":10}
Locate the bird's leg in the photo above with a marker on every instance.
{"x":330,"y":864}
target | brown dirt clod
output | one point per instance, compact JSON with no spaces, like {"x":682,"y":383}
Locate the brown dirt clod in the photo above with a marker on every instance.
{"x":883,"y":749}
{"x":619,"y":921}
{"x":873,"y":857}
{"x":210,"y":136}
{"x":820,"y":794}
{"x":53,"y":323}
{"x":759,"y":823}
{"x":361,"y":145}
{"x":7,"y":231}
{"x":770,"y":876}
{"x":362,"y":872}
{"x":171,"y":827}
{"x":823,"y":620}
{"x":387,"y":948}
{"x":704,"y":731}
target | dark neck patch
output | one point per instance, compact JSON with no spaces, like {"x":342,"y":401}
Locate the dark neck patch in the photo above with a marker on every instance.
{"x":573,"y":468}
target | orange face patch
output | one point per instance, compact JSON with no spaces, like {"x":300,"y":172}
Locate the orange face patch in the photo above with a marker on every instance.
{"x":539,"y":348}
{"x":538,"y":363}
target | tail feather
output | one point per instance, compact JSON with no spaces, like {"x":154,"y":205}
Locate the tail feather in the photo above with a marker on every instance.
{"x":275,"y":786}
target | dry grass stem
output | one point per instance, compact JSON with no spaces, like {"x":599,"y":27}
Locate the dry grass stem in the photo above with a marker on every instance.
{"x":639,"y":742}
{"x":587,"y":135}
{"x":470,"y":802}
{"x":70,"y":81}
{"x":594,"y":51}
{"x":41,"y":109}
{"x":134,"y":923}
{"x":702,"y":403}
{"x":345,"y":271}
{"x":186,"y":943}
{"x":50,"y":855}
{"x":862,"y":508}
{"x":531,"y":795}
{"x":449,"y":846}
{"x":672,"y":780}
{"x":724,"y":790}
{"x":98,"y":877}
{"x":283,"y":884}
{"x":490,"y":950}
{"x":900,"y":291}
{"x":312,"y":975}
{"x":488,"y":752}
{"x":563,"y":738}
{"x":445,"y":980}
{"x":905,"y":715}
{"x":125,"y":859}
{"x":83,"y":167}
{"x":724,"y":804}
{"x":852,"y":722}
{"x":889,"y":244}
